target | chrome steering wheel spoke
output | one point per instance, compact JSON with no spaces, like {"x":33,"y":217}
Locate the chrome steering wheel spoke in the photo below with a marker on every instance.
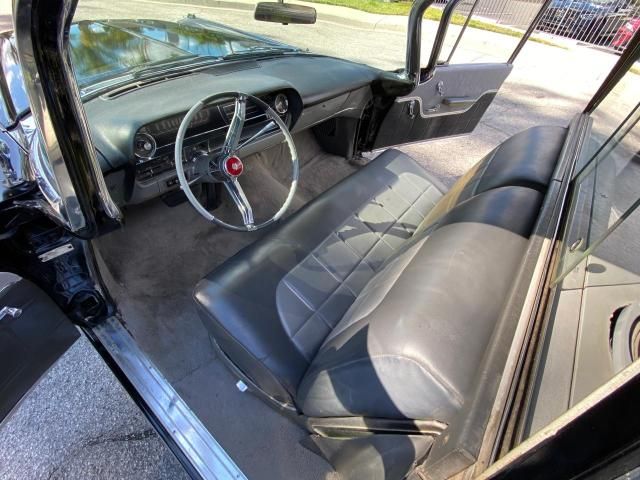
{"x":224,"y":165}
{"x":235,"y":127}
{"x":271,"y":126}
{"x":242,"y":202}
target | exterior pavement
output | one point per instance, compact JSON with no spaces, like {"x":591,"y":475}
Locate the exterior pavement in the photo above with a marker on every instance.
{"x":78,"y":422}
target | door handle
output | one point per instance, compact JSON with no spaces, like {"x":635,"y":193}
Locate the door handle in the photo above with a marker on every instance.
{"x":10,"y":312}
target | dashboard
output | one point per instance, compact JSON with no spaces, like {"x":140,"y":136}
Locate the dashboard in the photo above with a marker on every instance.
{"x":134,"y":128}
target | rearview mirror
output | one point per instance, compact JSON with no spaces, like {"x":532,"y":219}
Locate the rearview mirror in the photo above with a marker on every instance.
{"x":285,"y":13}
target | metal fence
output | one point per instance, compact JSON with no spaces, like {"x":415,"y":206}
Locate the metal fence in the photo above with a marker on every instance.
{"x":605,"y":23}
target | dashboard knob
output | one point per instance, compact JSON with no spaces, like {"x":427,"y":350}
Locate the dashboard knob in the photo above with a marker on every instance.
{"x":144,"y":145}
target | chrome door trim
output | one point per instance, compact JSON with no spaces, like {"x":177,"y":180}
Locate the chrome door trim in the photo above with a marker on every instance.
{"x":202,"y":450}
{"x":434,"y":111}
{"x":71,"y":209}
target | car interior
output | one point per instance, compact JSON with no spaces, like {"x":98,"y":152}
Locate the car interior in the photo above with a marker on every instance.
{"x":326,"y":306}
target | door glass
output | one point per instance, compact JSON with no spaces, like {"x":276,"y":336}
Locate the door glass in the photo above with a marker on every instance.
{"x":606,"y":186}
{"x":613,"y":110}
{"x":592,"y":331}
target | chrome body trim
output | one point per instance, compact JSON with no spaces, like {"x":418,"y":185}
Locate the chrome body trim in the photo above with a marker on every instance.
{"x":21,"y":135}
{"x":12,"y":161}
{"x":50,"y":167}
{"x":434,"y":112}
{"x":48,"y":183}
{"x":51,"y":171}
{"x":206,"y":455}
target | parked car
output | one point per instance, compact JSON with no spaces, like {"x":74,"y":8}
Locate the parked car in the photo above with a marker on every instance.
{"x":585,"y":20}
{"x":196,"y":201}
{"x":625,"y":33}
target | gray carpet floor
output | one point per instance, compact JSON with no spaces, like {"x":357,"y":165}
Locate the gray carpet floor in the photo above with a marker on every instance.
{"x":154,"y":262}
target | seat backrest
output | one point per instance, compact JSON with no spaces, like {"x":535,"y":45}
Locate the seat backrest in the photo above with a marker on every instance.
{"x":526,"y":159}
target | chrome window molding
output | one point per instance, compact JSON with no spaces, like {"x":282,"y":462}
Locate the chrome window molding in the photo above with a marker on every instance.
{"x":543,"y":444}
{"x":414,"y":39}
{"x":50,"y":168}
{"x":202,"y":450}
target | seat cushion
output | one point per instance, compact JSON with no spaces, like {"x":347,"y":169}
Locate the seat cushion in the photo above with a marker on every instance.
{"x":410,"y":345}
{"x":271,"y":306}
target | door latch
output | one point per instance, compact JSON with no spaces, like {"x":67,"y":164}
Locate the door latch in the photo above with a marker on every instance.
{"x":412,"y":109}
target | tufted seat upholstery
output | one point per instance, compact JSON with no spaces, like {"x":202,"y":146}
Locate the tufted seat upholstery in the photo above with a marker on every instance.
{"x":379,"y":298}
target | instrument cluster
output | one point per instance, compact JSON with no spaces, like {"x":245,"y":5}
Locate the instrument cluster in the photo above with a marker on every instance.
{"x":154,"y":143}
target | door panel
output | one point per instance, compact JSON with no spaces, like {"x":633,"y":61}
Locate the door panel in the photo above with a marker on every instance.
{"x":34,"y":333}
{"x":451,"y":102}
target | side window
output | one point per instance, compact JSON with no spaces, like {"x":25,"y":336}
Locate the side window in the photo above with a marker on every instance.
{"x":592,"y":328}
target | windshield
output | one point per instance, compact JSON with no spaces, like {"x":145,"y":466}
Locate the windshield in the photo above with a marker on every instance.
{"x":106,"y":49}
{"x":113,"y":39}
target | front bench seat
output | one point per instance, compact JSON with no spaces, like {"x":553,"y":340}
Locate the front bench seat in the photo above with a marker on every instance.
{"x":281,"y":309}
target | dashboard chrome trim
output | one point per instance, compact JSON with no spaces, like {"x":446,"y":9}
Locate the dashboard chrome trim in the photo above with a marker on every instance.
{"x":165,"y":148}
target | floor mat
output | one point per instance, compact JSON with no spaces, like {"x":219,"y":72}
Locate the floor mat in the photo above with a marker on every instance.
{"x":154,"y":262}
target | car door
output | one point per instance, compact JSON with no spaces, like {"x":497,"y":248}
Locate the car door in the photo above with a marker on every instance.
{"x":456,"y":87}
{"x":34,"y":333}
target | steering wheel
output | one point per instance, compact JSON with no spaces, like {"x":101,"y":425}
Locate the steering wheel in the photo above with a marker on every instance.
{"x":225,"y":166}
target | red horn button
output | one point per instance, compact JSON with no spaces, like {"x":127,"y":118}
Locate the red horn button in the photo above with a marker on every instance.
{"x":233,"y":166}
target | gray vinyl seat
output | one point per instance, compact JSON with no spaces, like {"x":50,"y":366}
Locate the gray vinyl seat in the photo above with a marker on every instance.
{"x":379,"y":298}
